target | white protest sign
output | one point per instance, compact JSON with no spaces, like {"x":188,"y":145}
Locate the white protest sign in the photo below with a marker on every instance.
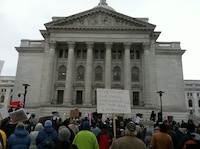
{"x":113,"y":101}
{"x":3,"y":113}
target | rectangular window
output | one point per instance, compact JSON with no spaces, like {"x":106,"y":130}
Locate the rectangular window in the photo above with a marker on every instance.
{"x":78,"y":54}
{"x":96,"y":54}
{"x":189,"y":94}
{"x":102,"y":54}
{"x":60,"y":53}
{"x":84,"y":54}
{"x":137,"y":54}
{"x":60,"y":96}
{"x":79,"y":97}
{"x":114,"y":54}
{"x":66,"y":53}
{"x":136,"y":98}
{"x":198,"y":94}
{"x":132,"y":54}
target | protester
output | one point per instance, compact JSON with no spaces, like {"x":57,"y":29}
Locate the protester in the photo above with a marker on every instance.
{"x":96,"y":130}
{"x":161,"y":140}
{"x":34,"y":134}
{"x":85,"y":139}
{"x":20,"y":139}
{"x":129,"y":141}
{"x":48,"y":130}
{"x":153,"y":116}
{"x":64,"y":142}
{"x":105,"y":138}
{"x":73,"y":126}
{"x":147,"y":138}
{"x":190,"y":138}
{"x":3,"y":141}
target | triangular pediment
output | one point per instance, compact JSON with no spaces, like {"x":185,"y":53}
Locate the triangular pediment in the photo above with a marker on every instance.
{"x":99,"y":19}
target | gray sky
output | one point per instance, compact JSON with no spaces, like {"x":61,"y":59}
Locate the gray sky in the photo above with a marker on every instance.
{"x":178,"y":20}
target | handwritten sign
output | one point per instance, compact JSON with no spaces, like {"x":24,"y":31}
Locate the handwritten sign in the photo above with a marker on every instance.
{"x":18,"y":116}
{"x":113,"y":101}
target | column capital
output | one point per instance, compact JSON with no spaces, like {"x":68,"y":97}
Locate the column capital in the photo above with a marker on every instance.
{"x":52,"y":44}
{"x":89,"y":45}
{"x":127,"y":45}
{"x":108,"y":45}
{"x":146,"y":45}
{"x":71,"y":44}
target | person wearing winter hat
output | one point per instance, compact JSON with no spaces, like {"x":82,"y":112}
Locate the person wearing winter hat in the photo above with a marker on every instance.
{"x":48,"y":130}
{"x":20,"y":135}
{"x":85,"y":139}
{"x":64,"y":143}
{"x":33,"y":135}
{"x":129,"y":140}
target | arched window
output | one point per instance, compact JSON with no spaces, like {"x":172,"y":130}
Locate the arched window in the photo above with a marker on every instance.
{"x":116,"y":74}
{"x":135,"y":74}
{"x":62,"y":73}
{"x":98,"y":73}
{"x":190,"y":103}
{"x":2,"y":98}
{"x":80,"y":73}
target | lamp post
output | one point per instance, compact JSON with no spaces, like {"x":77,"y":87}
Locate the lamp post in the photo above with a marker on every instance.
{"x":160,"y":94}
{"x":25,"y":92}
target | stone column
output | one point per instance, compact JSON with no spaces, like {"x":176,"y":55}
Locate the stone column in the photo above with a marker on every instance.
{"x":108,"y":75}
{"x":88,"y":74}
{"x":7,"y":97}
{"x":69,"y":76}
{"x":48,"y":77}
{"x":147,"y":77}
{"x":127,"y":68}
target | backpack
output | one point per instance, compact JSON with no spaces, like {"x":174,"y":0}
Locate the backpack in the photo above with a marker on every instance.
{"x":48,"y":141}
{"x":191,"y":144}
{"x":1,"y":142}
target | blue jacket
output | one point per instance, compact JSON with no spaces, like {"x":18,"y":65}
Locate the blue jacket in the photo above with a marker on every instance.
{"x":20,"y":139}
{"x":42,"y":134}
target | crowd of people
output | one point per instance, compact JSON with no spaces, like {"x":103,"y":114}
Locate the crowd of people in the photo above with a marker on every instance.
{"x":97,"y":134}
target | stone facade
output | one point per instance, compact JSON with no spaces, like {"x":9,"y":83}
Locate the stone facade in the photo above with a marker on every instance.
{"x":192,"y":97}
{"x":100,"y":48}
{"x":6,"y":90}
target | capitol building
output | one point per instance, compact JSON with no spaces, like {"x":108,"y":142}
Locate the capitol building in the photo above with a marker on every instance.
{"x":100,"y":48}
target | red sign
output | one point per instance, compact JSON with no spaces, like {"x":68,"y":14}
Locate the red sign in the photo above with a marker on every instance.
{"x":15,"y":104}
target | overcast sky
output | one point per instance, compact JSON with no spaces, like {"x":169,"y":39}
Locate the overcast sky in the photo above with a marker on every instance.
{"x":178,"y":20}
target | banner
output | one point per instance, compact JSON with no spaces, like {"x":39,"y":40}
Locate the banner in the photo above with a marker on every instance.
{"x":15,"y":104}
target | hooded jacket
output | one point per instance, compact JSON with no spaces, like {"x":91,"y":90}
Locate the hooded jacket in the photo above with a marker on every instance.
{"x":42,"y":133}
{"x":20,"y":139}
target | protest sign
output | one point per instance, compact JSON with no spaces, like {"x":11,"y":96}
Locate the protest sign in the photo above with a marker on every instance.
{"x":3,"y":113}
{"x":18,"y":116}
{"x":113,"y":101}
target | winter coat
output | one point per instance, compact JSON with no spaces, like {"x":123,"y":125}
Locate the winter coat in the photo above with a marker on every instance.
{"x":34,"y":134}
{"x":3,"y":135}
{"x":161,"y":140}
{"x":20,"y":139}
{"x":85,"y":139}
{"x":128,"y":142}
{"x":42,"y":133}
{"x":147,"y":139}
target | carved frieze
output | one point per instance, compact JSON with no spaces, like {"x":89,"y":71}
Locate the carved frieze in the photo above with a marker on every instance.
{"x":100,"y":19}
